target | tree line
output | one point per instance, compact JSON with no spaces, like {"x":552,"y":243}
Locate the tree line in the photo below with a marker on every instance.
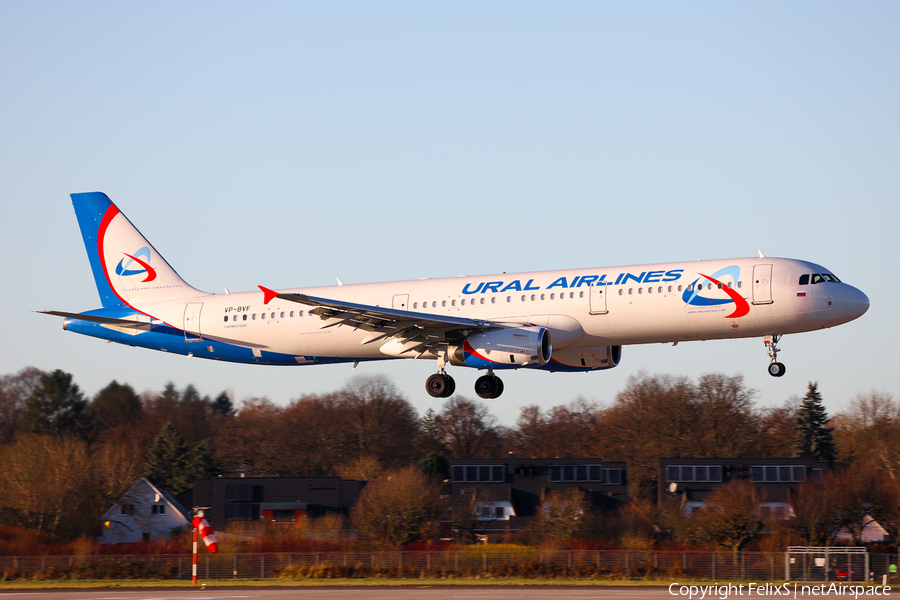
{"x":69,"y":457}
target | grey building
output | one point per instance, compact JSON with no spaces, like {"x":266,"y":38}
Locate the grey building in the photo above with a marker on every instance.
{"x":692,"y":480}
{"x":234,"y":499}
{"x":498,"y":496}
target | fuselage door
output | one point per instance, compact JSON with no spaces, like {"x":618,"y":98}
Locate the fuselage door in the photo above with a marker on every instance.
{"x":598,"y":300}
{"x":401,"y":302}
{"x":192,"y":322}
{"x":762,"y":284}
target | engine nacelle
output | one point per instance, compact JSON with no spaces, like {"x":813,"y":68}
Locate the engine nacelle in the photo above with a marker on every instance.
{"x":504,"y":349}
{"x":584,"y":359}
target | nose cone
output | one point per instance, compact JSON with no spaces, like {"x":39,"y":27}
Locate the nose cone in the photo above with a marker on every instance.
{"x":853,"y":303}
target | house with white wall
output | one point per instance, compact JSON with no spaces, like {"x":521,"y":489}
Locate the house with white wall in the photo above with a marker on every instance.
{"x":145,"y":512}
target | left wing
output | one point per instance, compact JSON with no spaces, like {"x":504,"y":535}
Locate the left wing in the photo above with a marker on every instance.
{"x":416,"y":332}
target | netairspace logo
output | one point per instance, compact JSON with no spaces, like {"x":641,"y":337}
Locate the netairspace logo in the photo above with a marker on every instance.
{"x":723,"y":592}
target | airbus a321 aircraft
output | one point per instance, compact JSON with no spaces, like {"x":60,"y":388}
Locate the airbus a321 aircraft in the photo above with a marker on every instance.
{"x":571,"y":320}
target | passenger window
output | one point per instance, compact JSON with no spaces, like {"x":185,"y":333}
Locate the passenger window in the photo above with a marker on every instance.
{"x":509,"y":298}
{"x":640,"y":290}
{"x":670,"y":289}
{"x":542,"y":296}
{"x":523,"y":297}
{"x":300,"y":314}
{"x":729,"y":285}
{"x":273,"y":315}
{"x":245,"y":316}
{"x":282,"y":315}
{"x":621,"y":291}
{"x":453,"y":303}
{"x":581,"y":294}
{"x":234,"y":318}
{"x":553,"y":296}
{"x":254,"y":316}
{"x":740,"y":284}
{"x":292,"y":314}
{"x":720,"y":286}
{"x":804,"y":279}
{"x":532,"y":297}
{"x":463,"y":301}
{"x":482,"y":300}
{"x":659,"y":289}
{"x":691,"y":288}
{"x":226,"y":318}
{"x":443,"y":303}
{"x":415,"y":305}
{"x":630,"y":291}
{"x":649,"y":290}
{"x":571,"y":294}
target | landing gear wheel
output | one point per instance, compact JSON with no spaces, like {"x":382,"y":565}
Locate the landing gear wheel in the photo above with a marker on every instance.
{"x":488,"y":387}
{"x":776,"y":369}
{"x":440,"y":385}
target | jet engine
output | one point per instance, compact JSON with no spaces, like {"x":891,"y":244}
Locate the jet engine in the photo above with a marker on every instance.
{"x":509,"y":348}
{"x":585,"y":359}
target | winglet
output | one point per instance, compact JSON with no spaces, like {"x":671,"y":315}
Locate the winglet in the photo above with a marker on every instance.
{"x":268,"y":294}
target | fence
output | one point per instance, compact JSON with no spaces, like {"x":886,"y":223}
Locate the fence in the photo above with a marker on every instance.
{"x":602,"y":564}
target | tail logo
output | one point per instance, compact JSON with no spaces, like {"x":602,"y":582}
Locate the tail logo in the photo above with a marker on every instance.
{"x":142,"y":258}
{"x":692,"y":296}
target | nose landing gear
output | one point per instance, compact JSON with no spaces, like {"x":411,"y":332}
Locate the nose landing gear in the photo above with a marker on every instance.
{"x":776,"y":369}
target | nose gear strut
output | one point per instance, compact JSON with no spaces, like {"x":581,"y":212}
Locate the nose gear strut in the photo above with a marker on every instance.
{"x":776,"y":369}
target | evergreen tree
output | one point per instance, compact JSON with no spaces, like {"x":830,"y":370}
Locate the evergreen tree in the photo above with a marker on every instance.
{"x":202,"y":464}
{"x":428,"y":441}
{"x":222,"y":405}
{"x":814,"y":440}
{"x":435,"y":465}
{"x":114,"y":405}
{"x":57,"y":406}
{"x":168,"y":459}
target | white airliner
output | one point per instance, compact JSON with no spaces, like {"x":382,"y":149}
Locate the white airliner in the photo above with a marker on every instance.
{"x":489,"y":322}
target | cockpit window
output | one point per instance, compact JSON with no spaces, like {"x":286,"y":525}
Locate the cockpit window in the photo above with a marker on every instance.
{"x":816,"y":278}
{"x":830,"y":277}
{"x":804,"y":279}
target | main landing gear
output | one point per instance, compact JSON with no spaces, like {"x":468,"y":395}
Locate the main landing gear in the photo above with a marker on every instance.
{"x":489,"y":386}
{"x":441,"y":385}
{"x":776,"y":369}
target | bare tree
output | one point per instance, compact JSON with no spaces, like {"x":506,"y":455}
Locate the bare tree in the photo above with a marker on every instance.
{"x":731,"y":516}
{"x":397,"y":508}
{"x":564,"y":431}
{"x":255,"y":439}
{"x":14,"y":392}
{"x":468,"y":429}
{"x":815,"y":505}
{"x":45,"y":483}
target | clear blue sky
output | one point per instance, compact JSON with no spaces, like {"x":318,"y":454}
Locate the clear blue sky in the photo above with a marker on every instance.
{"x":286,"y":143}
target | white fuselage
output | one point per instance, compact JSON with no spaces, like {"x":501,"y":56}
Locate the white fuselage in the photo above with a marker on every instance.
{"x":647,"y":305}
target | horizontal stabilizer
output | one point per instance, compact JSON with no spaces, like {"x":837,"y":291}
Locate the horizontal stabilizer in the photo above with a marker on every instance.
{"x":95,"y":319}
